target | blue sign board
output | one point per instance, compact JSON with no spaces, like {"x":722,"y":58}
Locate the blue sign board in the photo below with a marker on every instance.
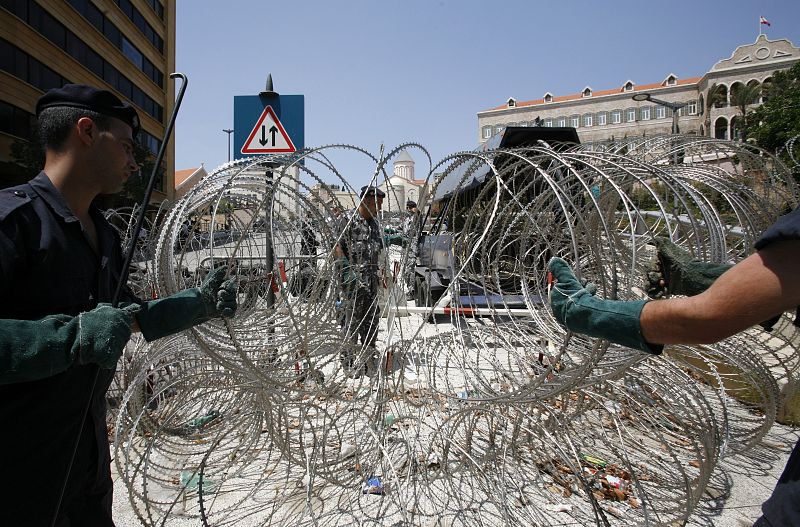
{"x":268,"y":124}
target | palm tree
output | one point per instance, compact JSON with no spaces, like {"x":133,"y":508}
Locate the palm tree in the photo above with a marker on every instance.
{"x":744,"y":96}
{"x":716,"y":96}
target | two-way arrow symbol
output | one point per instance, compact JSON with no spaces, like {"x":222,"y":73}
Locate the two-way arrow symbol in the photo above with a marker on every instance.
{"x":273,"y":130}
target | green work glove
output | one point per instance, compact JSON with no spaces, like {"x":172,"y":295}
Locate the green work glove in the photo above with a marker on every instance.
{"x":577,"y":309}
{"x":675,"y":272}
{"x":394,"y":239}
{"x":350,"y":278}
{"x":35,"y":349}
{"x":216,"y":297}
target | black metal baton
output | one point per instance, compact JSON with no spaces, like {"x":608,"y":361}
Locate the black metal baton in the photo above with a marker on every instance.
{"x":125,"y":271}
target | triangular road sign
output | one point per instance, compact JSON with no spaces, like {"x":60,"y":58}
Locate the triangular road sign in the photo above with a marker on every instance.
{"x":268,"y":136}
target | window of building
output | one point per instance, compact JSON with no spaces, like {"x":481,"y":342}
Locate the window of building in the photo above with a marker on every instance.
{"x":28,"y":69}
{"x":548,"y":97}
{"x":548,"y":122}
{"x":630,"y":115}
{"x":575,"y":121}
{"x":562,"y":121}
{"x":36,"y":17}
{"x":602,"y":118}
{"x":588,"y":119}
{"x":132,"y":53}
{"x":661,"y":112}
{"x":16,"y":121}
{"x":691,"y":108}
{"x":616,"y":117}
{"x":511,"y":102}
{"x":486,"y":132}
{"x":114,"y":35}
{"x":498,"y":128}
{"x":644,"y":113}
{"x":587,"y":92}
{"x":628,"y":86}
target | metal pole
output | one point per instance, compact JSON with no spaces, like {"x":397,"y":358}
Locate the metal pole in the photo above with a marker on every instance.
{"x":228,"y":131}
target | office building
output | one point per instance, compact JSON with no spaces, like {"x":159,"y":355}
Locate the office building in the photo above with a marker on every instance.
{"x":126,"y":46}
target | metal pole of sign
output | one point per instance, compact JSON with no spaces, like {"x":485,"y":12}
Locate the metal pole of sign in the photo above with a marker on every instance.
{"x":123,"y":279}
{"x":269,"y":257}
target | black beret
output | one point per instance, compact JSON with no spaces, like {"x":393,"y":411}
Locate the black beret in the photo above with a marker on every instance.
{"x":89,"y":98}
{"x":371,"y":190}
{"x":411,"y":204}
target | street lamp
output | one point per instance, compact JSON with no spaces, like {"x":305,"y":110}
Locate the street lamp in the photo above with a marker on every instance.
{"x":674,"y":106}
{"x":228,"y":131}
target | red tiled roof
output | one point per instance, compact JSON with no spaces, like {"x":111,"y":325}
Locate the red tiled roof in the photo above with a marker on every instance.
{"x":579,"y":96}
{"x":182,"y":175}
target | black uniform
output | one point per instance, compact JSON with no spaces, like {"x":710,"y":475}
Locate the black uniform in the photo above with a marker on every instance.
{"x":782,"y":508}
{"x":47,"y":266}
{"x":361,"y":241}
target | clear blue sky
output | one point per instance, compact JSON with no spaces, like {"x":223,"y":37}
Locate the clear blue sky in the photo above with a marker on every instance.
{"x":415,"y":70}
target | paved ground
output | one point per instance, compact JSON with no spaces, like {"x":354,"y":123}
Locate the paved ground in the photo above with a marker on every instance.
{"x":738,"y":487}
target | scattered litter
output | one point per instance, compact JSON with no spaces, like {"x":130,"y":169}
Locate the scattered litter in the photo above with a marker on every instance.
{"x":348,"y":450}
{"x":594,"y":460}
{"x":190,"y":480}
{"x":374,"y":486}
{"x":617,"y":483}
{"x":199,"y":422}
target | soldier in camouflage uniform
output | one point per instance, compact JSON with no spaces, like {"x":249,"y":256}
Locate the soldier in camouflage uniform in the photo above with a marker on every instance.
{"x":357,"y":261}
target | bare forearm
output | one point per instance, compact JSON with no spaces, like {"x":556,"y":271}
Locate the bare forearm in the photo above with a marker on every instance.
{"x":758,"y":288}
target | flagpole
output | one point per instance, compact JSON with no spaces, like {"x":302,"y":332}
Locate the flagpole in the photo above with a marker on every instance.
{"x":759,"y":26}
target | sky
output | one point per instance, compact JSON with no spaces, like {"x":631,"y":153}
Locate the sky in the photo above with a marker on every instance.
{"x":389,"y":72}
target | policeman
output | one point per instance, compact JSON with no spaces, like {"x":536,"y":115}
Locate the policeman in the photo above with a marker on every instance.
{"x":357,"y":254}
{"x":723,"y":300}
{"x":411,"y":217}
{"x":60,"y":263}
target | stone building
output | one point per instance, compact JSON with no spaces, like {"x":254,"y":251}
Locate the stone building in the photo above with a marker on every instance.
{"x":612,"y":113}
{"x":126,"y":46}
{"x":401,"y":185}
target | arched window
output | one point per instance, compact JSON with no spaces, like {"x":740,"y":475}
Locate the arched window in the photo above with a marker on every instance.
{"x":736,"y":128}
{"x":766,"y":84}
{"x":719,"y":96}
{"x":721,"y":128}
{"x":735,"y":87}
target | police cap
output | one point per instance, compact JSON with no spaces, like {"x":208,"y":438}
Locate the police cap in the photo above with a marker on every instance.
{"x":371,"y":190}
{"x":89,"y":98}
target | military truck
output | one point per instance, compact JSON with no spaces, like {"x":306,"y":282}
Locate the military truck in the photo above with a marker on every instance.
{"x":455,"y":195}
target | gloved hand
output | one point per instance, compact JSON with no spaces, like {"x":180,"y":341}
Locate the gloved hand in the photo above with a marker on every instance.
{"x":350,"y":278}
{"x":394,"y":239}
{"x":102,"y":335}
{"x":35,"y":349}
{"x":216,"y":297}
{"x":675,"y":272}
{"x":576,"y":308}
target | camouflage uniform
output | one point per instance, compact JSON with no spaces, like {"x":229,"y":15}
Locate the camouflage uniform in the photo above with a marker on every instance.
{"x":361,"y":242}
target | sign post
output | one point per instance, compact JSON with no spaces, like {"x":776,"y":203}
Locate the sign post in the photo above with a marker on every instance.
{"x":268,"y":123}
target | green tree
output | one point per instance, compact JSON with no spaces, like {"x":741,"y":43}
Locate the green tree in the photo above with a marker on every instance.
{"x":743,"y":97}
{"x":776,"y":121}
{"x":716,"y":97}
